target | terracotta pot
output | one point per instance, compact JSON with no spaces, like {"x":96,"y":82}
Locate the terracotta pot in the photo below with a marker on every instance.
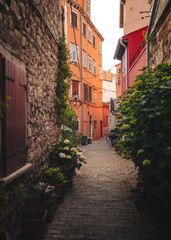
{"x":4,"y":235}
{"x":51,"y":210}
{"x":58,"y":189}
{"x":34,"y":227}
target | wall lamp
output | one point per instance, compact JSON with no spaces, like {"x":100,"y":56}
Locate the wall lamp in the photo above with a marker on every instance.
{"x":75,"y":96}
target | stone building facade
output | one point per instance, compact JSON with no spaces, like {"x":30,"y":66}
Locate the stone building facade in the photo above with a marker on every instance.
{"x":29,"y":33}
{"x":160,"y":28}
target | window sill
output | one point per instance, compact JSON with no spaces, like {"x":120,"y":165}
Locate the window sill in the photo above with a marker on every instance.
{"x":17,"y":173}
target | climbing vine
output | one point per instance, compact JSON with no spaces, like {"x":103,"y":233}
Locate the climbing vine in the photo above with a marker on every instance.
{"x":65,"y":112}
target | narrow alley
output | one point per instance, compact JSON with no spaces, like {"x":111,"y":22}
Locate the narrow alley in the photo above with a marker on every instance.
{"x":98,"y":206}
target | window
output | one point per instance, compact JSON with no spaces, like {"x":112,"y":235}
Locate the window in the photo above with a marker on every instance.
{"x":74,"y":19}
{"x":13,"y":127}
{"x":84,"y":59}
{"x":77,"y":127}
{"x":95,"y":94}
{"x":84,"y":29}
{"x":107,"y":121}
{"x":74,"y":53}
{"x":90,"y":94}
{"x":87,"y":6}
{"x":94,"y":67}
{"x":100,"y":98}
{"x":89,"y":35}
{"x":85,"y":92}
{"x":100,"y":72}
{"x":89,"y":63}
{"x":94,"y":41}
{"x":124,"y":64}
{"x":119,"y":75}
{"x":75,"y":87}
{"x":95,"y":124}
{"x":100,"y":48}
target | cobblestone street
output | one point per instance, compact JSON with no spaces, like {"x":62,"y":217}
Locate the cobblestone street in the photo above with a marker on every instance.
{"x":98,"y":206}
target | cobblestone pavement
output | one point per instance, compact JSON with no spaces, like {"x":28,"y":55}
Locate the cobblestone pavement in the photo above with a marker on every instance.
{"x":98,"y":206}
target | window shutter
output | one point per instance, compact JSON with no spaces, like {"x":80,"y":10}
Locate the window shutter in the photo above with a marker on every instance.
{"x":94,"y":41}
{"x":84,"y":29}
{"x":14,"y":121}
{"x":74,"y":21}
{"x":89,"y":35}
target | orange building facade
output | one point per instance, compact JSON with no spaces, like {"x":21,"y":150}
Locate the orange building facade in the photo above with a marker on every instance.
{"x":85,"y":46}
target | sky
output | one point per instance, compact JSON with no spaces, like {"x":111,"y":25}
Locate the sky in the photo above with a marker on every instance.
{"x":105,"y":16}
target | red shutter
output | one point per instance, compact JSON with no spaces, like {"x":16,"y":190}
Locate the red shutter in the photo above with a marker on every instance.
{"x":14,"y":121}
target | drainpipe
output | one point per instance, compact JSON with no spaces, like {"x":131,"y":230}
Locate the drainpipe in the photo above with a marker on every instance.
{"x":82,"y":109}
{"x":152,"y":18}
{"x":126,"y":56}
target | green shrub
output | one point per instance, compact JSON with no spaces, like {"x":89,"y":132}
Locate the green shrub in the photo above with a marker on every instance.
{"x":144,"y":128}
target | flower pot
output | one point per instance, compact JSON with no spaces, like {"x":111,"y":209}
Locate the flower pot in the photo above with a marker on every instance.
{"x":4,"y":235}
{"x":51,"y":210}
{"x":58,"y":189}
{"x":34,"y":226}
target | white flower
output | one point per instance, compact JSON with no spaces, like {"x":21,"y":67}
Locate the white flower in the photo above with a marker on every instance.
{"x":82,"y":157}
{"x":49,"y":189}
{"x":62,"y":155}
{"x":66,"y":141}
{"x":41,"y":184}
{"x":74,"y":150}
{"x":66,"y":148}
{"x":68,"y":157}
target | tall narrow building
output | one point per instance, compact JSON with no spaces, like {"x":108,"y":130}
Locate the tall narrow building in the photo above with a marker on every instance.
{"x":85,"y":45}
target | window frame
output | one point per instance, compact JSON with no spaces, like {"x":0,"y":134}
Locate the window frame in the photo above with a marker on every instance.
{"x":89,"y":63}
{"x":89,"y":34}
{"x":94,"y":67}
{"x":84,"y":33}
{"x":87,"y":7}
{"x":90,"y":94}
{"x":95,"y":124}
{"x":94,"y":40}
{"x":85,"y":92}
{"x":95,"y":96}
{"x":76,"y":51}
{"x":72,"y":19}
{"x":78,"y":125}
{"x":73,"y":87}
{"x":84,"y":59}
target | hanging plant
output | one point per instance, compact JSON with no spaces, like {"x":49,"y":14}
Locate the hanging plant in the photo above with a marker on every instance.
{"x":65,"y":113}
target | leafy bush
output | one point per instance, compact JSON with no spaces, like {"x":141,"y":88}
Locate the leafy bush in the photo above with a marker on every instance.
{"x":65,"y":155}
{"x":53,"y":176}
{"x":144,"y":128}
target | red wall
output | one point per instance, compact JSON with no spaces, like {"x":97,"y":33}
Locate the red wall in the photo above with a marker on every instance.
{"x":134,"y":39}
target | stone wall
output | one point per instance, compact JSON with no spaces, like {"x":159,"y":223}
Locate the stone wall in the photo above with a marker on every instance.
{"x":161,"y":51}
{"x":27,"y":37}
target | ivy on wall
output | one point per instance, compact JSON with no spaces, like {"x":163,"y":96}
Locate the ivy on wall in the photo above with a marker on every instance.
{"x":65,"y":112}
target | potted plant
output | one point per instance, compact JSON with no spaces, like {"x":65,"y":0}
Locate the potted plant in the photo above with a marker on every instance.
{"x":38,"y":201}
{"x":10,"y":199}
{"x":4,"y":235}
{"x":65,"y":155}
{"x":46,"y":198}
{"x":55,"y":177}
